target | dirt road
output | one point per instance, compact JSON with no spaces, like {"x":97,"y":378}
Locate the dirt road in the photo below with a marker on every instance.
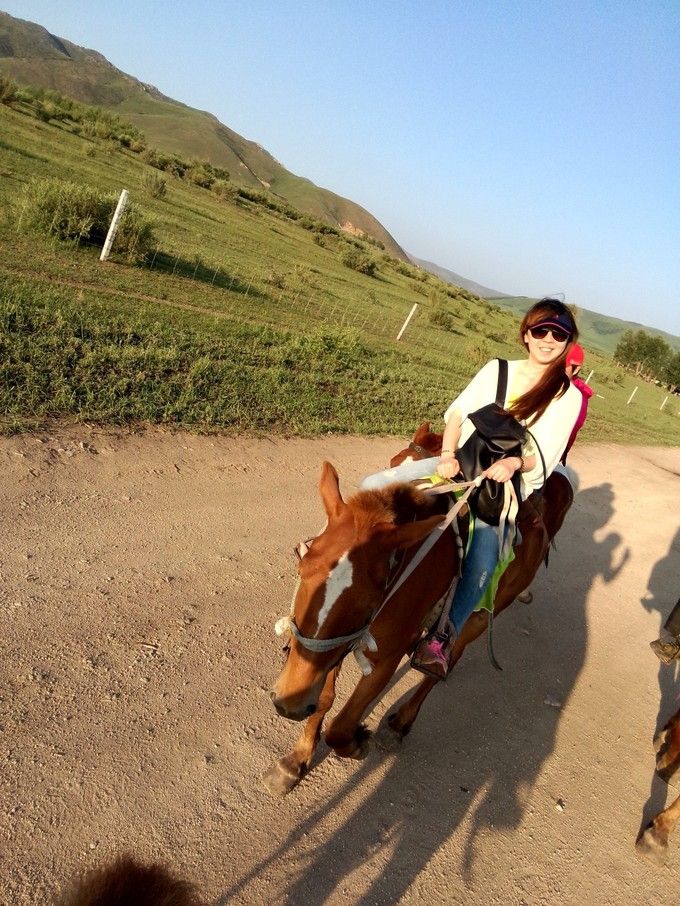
{"x":140,"y":577}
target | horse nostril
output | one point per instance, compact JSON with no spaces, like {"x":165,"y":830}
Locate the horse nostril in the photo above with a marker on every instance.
{"x":310,"y":710}
{"x":272,"y":695}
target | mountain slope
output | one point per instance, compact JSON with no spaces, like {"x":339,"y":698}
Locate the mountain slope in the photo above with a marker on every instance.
{"x":598,"y":331}
{"x":456,"y":279}
{"x":34,"y":56}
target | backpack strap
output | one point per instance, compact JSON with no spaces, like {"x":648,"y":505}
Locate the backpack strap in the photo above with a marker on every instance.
{"x":502,"y":387}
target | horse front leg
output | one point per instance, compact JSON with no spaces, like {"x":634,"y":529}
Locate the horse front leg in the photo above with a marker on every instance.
{"x":285,"y":774}
{"x":654,"y":842}
{"x":346,"y":735}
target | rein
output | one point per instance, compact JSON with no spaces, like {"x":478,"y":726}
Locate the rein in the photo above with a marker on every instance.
{"x":362,"y":638}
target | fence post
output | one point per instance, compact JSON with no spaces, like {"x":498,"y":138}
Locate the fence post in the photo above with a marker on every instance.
{"x":589,"y":377}
{"x":663,"y":404}
{"x":406,"y":322}
{"x":111,"y":235}
{"x":631,"y":397}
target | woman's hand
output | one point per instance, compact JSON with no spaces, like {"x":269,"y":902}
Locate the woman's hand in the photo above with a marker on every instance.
{"x":448,"y":466}
{"x":504,"y":469}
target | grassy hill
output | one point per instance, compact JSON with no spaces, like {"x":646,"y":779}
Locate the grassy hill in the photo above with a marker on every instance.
{"x":450,"y":277}
{"x":598,"y":331}
{"x":33,"y":56}
{"x":240,"y":317}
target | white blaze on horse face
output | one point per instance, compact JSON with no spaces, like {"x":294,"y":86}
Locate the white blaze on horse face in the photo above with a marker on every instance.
{"x":339,"y":578}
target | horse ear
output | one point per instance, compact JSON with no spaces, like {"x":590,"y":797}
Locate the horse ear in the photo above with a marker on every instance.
{"x":421,"y":433}
{"x":397,"y":537}
{"x":329,"y":488}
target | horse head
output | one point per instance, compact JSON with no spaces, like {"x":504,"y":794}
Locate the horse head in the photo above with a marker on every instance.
{"x":341,"y":584}
{"x":425,"y":443}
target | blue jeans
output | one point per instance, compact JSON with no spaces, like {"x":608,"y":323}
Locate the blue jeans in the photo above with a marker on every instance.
{"x":480,"y":563}
{"x":482,"y":555}
{"x":407,"y":471}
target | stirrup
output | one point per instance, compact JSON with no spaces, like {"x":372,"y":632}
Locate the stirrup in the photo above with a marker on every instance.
{"x":434,"y":664}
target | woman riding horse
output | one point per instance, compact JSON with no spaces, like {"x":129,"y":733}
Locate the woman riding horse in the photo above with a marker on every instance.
{"x":540,"y":396}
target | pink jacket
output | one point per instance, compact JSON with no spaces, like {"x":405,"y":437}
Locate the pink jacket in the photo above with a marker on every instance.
{"x":586,"y":393}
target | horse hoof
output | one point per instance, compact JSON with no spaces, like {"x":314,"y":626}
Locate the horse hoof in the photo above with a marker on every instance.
{"x":362,"y":739}
{"x":650,"y":847}
{"x":356,"y":748}
{"x":526,"y":597}
{"x":400,"y":730}
{"x":281,"y":778}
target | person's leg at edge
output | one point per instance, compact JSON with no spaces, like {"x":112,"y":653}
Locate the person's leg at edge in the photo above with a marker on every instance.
{"x":432,"y":654}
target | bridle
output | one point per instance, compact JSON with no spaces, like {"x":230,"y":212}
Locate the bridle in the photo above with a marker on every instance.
{"x":426,"y":454}
{"x":362,"y":638}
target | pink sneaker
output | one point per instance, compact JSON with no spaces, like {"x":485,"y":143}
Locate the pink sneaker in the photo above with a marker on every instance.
{"x":432,"y":656}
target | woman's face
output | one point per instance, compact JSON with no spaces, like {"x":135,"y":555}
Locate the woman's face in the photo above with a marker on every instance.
{"x":544,"y":350}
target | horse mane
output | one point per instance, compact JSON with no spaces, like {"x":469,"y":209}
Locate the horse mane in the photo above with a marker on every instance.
{"x":396,"y":503}
{"x":128,"y":882}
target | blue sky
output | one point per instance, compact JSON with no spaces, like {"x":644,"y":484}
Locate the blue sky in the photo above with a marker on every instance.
{"x":533,"y":147}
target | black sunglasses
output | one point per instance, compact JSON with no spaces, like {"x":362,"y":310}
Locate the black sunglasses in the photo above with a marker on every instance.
{"x":558,"y":335}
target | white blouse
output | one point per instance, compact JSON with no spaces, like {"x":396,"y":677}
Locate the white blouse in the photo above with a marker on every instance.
{"x":551,"y":431}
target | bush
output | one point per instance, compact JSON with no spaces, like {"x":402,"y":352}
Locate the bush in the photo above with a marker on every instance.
{"x":43,"y":111}
{"x":224,"y":189}
{"x":441,"y":318}
{"x":76,"y":213}
{"x":8,"y":90}
{"x":358,"y":261}
{"x":154,"y":185}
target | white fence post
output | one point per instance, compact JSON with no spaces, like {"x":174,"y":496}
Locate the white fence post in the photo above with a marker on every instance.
{"x":631,"y":397}
{"x":406,"y":322}
{"x":589,"y":377}
{"x":111,"y":235}
{"x":663,"y":404}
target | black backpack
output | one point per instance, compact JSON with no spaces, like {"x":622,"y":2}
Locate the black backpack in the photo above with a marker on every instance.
{"x":497,"y":435}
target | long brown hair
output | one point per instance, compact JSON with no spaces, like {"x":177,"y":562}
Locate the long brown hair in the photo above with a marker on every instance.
{"x":554,"y":382}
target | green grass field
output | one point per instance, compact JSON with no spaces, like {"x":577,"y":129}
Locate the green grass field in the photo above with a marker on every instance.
{"x":241,"y":319}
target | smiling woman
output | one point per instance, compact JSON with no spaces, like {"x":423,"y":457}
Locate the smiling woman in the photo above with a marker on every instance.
{"x":537,"y":393}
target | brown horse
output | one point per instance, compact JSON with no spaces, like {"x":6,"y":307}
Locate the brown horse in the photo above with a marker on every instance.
{"x":342,"y":584}
{"x":654,"y":841}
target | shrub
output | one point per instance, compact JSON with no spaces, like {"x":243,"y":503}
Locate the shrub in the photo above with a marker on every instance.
{"x":478,"y":353}
{"x":358,"y":261}
{"x":223,"y":189}
{"x":43,"y":111}
{"x":8,"y":90}
{"x":441,"y":318}
{"x":200,"y":175}
{"x":155,"y":185}
{"x":74,"y":212}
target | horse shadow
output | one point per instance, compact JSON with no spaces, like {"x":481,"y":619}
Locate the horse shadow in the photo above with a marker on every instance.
{"x":477,"y":748}
{"x":662,"y":592}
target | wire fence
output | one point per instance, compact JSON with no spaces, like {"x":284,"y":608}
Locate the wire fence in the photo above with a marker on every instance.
{"x":262,"y":296}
